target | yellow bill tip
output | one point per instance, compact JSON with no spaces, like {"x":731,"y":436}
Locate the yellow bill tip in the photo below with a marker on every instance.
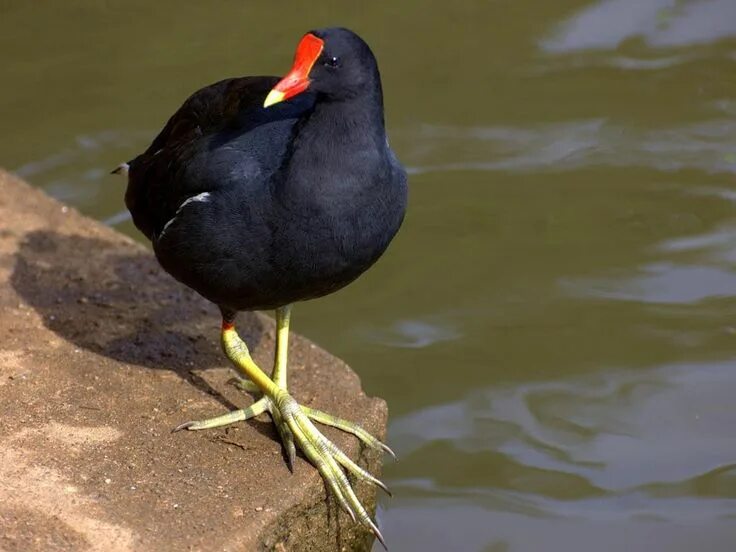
{"x":274,"y":97}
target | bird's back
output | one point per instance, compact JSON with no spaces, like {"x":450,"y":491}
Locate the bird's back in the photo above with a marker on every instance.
{"x":221,"y":136}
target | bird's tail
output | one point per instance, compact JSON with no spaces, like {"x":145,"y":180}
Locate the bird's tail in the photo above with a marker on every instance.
{"x":121,"y":169}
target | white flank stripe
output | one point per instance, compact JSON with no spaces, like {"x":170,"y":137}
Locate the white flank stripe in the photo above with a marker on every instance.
{"x":203,"y":197}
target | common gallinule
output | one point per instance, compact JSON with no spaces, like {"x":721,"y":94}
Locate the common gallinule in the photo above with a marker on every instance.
{"x":261,"y":192}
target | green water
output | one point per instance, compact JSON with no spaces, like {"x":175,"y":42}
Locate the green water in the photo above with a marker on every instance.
{"x":554,"y":329}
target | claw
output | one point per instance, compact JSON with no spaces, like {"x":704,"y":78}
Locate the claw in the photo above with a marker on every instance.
{"x":185,"y":425}
{"x":377,"y":534}
{"x":291,"y":456}
{"x":386,"y":448}
{"x":350,"y":511}
{"x":288,"y":440}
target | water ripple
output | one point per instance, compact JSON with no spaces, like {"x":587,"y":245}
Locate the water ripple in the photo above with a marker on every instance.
{"x":78,"y":173}
{"x":660,"y":23}
{"x":624,"y":443}
{"x":411,"y":334}
{"x":708,"y":146}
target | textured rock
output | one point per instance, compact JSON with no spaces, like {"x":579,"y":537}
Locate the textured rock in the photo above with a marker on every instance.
{"x":101,"y":354}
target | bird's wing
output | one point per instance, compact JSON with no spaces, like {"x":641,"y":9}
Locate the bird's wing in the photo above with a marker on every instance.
{"x":160,"y":179}
{"x":212,"y":108}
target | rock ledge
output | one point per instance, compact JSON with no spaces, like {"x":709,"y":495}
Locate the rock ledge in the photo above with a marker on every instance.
{"x":101,"y":354}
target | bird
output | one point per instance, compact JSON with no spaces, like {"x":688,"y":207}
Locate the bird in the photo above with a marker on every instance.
{"x":261,"y":192}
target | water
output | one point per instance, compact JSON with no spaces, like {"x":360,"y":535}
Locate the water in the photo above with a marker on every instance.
{"x":554,"y":329}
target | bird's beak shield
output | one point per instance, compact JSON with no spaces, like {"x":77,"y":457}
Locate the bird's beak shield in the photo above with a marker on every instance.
{"x":297,"y":80}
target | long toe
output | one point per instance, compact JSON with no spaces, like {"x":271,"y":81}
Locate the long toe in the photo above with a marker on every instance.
{"x":349,"y":427}
{"x":258,"y":407}
{"x":328,"y":459}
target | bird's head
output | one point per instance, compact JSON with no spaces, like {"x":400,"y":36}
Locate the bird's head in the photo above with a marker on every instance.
{"x":333,"y":62}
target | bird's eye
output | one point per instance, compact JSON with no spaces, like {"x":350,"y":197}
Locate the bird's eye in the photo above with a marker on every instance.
{"x":332,"y":62}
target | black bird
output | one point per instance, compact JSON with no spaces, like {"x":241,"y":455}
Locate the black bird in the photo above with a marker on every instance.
{"x":261,"y":192}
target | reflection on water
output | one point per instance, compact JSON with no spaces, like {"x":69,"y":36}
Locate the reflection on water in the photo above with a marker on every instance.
{"x":646,"y":445}
{"x":661,"y":23}
{"x":709,"y":146}
{"x":663,"y":283}
{"x":621,"y":432}
{"x":412,"y":334}
{"x":553,"y":329}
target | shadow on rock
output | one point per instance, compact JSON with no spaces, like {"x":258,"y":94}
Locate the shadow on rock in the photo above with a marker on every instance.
{"x":114,"y":300}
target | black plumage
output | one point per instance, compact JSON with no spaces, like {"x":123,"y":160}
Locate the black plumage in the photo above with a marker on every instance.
{"x":256,"y":208}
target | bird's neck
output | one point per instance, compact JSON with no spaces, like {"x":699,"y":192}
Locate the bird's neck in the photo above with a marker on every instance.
{"x":351,"y":122}
{"x":336,"y":148}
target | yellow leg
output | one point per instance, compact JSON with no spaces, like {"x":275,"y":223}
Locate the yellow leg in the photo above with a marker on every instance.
{"x":283,"y":316}
{"x":237,"y":351}
{"x":293,"y":421}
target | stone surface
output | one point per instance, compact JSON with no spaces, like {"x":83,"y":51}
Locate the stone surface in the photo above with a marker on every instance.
{"x":101,"y":354}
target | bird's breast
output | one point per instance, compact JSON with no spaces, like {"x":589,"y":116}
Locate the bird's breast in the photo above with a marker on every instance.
{"x":336,"y":241}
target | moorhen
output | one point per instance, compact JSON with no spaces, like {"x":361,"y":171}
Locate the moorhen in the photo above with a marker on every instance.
{"x":261,"y":192}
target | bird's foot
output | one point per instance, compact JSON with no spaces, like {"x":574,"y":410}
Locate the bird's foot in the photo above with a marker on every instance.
{"x":294,"y":424}
{"x":296,"y":428}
